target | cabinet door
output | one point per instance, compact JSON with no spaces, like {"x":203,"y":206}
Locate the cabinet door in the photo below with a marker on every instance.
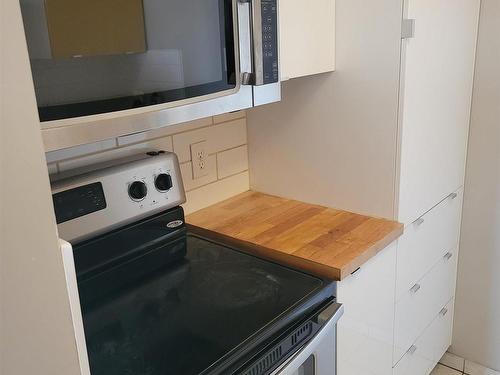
{"x":307,"y":37}
{"x":437,"y":75}
{"x":365,"y":332}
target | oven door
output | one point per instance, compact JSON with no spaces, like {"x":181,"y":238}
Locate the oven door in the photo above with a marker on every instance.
{"x":318,"y":356}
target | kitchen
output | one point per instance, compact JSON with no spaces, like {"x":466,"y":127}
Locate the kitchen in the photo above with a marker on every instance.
{"x":349,"y":163}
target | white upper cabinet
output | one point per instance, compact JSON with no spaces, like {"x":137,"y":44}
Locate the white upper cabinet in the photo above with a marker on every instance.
{"x":307,"y":37}
{"x":437,"y":74}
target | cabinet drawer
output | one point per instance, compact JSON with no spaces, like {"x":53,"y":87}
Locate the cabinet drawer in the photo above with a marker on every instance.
{"x":419,"y":305}
{"x":425,"y":353}
{"x":426,"y":240}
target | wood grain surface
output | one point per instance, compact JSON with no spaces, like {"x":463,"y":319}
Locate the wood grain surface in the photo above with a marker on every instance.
{"x":328,"y":242}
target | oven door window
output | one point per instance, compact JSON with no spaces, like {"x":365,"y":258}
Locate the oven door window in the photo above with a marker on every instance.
{"x":97,"y":56}
{"x":307,"y":368}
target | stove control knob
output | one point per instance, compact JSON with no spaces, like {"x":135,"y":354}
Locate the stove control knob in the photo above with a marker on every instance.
{"x":163,"y":182}
{"x":137,"y":190}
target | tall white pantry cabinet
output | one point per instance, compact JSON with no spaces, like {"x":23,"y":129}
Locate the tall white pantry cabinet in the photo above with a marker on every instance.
{"x":437,"y":70}
{"x":386,"y":134}
{"x":437,"y":79}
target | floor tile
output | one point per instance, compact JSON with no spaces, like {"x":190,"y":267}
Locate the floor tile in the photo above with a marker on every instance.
{"x":443,"y":370}
{"x":472,"y":368}
{"x":453,"y":361}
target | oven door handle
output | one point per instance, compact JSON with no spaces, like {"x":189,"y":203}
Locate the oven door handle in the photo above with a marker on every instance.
{"x":332,"y":312}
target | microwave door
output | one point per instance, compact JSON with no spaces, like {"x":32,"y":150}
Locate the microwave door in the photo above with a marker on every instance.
{"x":172,"y":53}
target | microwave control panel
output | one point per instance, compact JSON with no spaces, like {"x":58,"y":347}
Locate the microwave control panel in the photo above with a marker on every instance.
{"x":270,"y":41}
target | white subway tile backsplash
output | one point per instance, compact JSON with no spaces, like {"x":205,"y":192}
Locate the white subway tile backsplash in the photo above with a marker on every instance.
{"x":227,"y":161}
{"x":165,"y":131}
{"x":229,"y":135}
{"x":187,"y":174}
{"x":183,"y":141}
{"x":232,"y":161}
{"x":229,"y":116}
{"x":164,"y":144}
{"x":84,"y":161}
{"x":216,"y":192}
{"x":154,"y":145}
{"x":219,"y":138}
{"x":77,"y":151}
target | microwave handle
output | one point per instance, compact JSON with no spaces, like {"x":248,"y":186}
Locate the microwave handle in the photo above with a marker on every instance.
{"x":256,"y":77}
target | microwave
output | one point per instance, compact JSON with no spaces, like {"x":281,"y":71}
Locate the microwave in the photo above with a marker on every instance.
{"x":105,"y":68}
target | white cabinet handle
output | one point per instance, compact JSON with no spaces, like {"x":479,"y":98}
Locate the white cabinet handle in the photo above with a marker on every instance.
{"x":453,"y":195}
{"x":415,"y":289}
{"x":412,"y":350}
{"x":419,"y":221}
{"x":448,"y":256}
{"x":443,"y":312}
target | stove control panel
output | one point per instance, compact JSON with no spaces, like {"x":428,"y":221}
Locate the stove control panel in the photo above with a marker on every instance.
{"x":103,"y":199}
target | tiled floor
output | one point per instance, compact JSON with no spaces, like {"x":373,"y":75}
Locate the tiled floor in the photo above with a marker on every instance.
{"x":443,"y":370}
{"x":451,"y":364}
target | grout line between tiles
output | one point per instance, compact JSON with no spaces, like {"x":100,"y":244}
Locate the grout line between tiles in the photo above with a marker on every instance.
{"x":233,"y":174}
{"x":224,"y":122}
{"x":454,"y":369}
{"x":215,"y":153}
{"x":232,"y":148}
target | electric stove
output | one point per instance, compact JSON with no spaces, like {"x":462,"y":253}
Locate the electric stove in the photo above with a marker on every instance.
{"x":157,"y":299}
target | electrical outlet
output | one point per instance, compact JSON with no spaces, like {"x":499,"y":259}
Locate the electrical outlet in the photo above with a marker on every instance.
{"x":199,"y":159}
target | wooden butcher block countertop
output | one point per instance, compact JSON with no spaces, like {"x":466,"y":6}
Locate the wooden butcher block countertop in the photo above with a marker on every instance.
{"x":325,"y":241}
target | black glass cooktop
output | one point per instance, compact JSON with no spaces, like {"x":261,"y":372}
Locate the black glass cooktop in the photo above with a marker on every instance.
{"x":192,"y":316}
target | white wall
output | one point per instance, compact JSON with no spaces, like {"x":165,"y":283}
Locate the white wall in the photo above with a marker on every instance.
{"x":333,"y":138}
{"x":35,"y":320}
{"x":477,"y":316}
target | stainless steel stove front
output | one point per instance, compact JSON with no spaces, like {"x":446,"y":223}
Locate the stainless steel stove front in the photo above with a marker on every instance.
{"x":318,"y":356}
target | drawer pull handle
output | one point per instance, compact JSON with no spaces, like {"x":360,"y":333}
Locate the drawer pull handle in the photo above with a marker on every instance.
{"x":444,"y":311}
{"x":412,"y":350}
{"x":448,"y":256}
{"x":419,"y":221}
{"x":415,"y":288}
{"x":453,"y":195}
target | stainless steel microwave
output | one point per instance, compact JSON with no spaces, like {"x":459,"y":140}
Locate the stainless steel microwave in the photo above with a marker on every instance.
{"x":134,"y":65}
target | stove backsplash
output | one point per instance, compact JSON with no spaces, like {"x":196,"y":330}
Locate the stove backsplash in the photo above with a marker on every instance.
{"x":227,"y":163}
